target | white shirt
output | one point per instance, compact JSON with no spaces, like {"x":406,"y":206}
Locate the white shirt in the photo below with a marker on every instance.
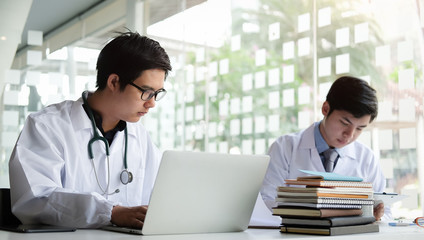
{"x":52,"y":178}
{"x":292,"y":152}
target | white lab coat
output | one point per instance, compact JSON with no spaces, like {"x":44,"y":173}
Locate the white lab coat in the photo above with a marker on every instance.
{"x":292,"y":152}
{"x":51,"y":176}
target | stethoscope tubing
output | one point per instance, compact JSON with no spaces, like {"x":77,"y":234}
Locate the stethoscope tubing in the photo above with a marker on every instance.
{"x":125,"y":176}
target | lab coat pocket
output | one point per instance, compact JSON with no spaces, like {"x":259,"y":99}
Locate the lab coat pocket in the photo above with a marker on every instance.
{"x":135,"y":188}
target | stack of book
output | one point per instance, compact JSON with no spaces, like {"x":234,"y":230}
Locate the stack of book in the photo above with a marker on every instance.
{"x":326,"y":204}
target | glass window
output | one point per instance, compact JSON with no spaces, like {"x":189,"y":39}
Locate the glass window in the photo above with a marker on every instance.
{"x":246,"y":72}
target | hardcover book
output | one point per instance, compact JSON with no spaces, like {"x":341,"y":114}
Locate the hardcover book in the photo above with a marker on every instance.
{"x":332,"y":231}
{"x":328,"y":222}
{"x":315,"y":213}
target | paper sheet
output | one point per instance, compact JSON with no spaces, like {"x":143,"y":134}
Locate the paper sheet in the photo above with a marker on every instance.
{"x":388,"y":198}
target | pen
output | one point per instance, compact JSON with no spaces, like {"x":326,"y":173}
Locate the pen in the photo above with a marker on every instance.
{"x":400,"y":224}
{"x":384,"y":193}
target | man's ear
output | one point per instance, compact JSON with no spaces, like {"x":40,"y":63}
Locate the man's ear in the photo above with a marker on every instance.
{"x":325,"y":108}
{"x":113,"y":82}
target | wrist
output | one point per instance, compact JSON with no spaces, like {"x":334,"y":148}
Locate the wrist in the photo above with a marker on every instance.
{"x":115,"y":212}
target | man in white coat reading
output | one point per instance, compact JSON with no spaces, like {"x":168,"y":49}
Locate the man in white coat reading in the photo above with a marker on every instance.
{"x":351,"y":105}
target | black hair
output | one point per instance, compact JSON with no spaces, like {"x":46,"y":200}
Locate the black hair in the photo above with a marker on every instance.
{"x":353,"y":95}
{"x":128,"y":55}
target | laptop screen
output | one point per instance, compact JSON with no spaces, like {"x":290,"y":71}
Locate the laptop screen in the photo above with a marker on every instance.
{"x":199,"y":192}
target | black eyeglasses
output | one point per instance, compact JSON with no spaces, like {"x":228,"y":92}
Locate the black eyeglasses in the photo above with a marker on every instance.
{"x":147,"y":94}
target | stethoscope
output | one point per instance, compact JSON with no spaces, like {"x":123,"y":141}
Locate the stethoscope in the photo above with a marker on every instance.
{"x":126,"y":176}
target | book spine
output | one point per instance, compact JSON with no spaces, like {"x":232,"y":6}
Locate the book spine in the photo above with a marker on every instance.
{"x":344,"y":201}
{"x":367,"y":228}
{"x":326,"y":183}
{"x":325,"y":200}
{"x":346,"y":184}
{"x":347,"y":206}
{"x":346,"y":195}
{"x":317,"y":213}
{"x":327,"y":222}
{"x":332,"y":231}
{"x":320,"y":205}
{"x":346,"y":221}
{"x":340,"y":212}
{"x":327,"y":189}
{"x":285,"y":229}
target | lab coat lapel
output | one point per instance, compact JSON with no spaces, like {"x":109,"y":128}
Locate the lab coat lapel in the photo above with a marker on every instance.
{"x":346,"y":159}
{"x":119,"y":138}
{"x":79,"y":117}
{"x":308,"y":150}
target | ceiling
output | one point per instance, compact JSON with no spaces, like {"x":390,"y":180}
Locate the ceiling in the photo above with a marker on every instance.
{"x":53,"y":16}
{"x":48,"y":15}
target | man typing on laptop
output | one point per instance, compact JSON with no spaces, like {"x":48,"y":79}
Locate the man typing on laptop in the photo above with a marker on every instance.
{"x":69,"y":166}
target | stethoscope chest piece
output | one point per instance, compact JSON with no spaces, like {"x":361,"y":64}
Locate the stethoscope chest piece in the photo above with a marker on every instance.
{"x":126,"y":177}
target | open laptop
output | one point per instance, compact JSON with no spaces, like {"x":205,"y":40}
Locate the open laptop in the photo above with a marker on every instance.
{"x":198,"y":192}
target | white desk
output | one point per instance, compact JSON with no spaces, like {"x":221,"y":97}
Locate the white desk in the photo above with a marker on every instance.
{"x":386,"y":233}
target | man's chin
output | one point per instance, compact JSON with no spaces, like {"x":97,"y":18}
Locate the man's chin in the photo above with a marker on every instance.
{"x":341,"y":145}
{"x":133,"y":120}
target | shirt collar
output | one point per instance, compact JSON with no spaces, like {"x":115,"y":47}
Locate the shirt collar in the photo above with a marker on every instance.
{"x":320,"y":143}
{"x":98,"y":119}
